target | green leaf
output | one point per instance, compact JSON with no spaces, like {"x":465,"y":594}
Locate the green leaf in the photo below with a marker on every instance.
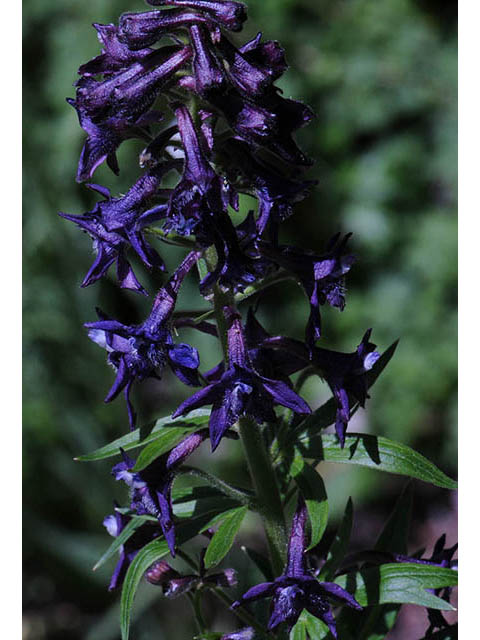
{"x":375,"y":622}
{"x":224,"y":537}
{"x":377,"y":453}
{"x":166,"y":430}
{"x":151,"y":552}
{"x":394,"y":536}
{"x":190,"y":502}
{"x":339,"y":545}
{"x":154,"y":550}
{"x":316,"y":629}
{"x":299,"y":631}
{"x":260,"y":562}
{"x":397,"y":583}
{"x":325,"y":415}
{"x":312,"y":488}
{"x":125,"y":534}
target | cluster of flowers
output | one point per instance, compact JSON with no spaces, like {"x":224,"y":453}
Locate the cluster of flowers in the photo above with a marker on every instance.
{"x":235,"y":132}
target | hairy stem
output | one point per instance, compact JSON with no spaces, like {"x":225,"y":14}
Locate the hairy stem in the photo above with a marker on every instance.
{"x":268,"y":500}
{"x":268,"y":495}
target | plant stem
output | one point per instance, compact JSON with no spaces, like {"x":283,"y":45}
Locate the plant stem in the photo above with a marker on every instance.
{"x":268,"y":495}
{"x":268,"y":500}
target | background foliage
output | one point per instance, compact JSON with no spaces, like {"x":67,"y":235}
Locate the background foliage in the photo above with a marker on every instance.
{"x":381,"y":78}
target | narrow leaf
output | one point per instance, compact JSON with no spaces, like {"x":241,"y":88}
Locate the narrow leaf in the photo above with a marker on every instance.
{"x":312,"y":488}
{"x":224,"y":537}
{"x":161,"y":430}
{"x":151,"y":552}
{"x":125,"y":534}
{"x":377,"y":453}
{"x":154,"y":550}
{"x":394,"y":536}
{"x":339,"y":545}
{"x":261,"y":563}
{"x":399,"y":584}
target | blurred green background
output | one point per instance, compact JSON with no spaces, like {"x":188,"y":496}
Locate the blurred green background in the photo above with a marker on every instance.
{"x":381,"y":77}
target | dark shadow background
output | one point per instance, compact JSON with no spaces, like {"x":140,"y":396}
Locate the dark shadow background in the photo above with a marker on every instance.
{"x":381,"y":77}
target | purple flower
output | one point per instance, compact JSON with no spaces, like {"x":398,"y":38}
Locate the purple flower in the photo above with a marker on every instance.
{"x":115,"y":524}
{"x":198,"y":199}
{"x":115,"y":109}
{"x":241,"y":390}
{"x":151,"y":487}
{"x":230,"y":15}
{"x":268,"y":56}
{"x":140,"y":30}
{"x":441,"y":557}
{"x":208,"y":71}
{"x":345,"y":373}
{"x":297,"y":589}
{"x":322,"y":277}
{"x":115,"y":55}
{"x":174,"y":584}
{"x":115,"y":224}
{"x":141,"y":351}
{"x":276,"y":193}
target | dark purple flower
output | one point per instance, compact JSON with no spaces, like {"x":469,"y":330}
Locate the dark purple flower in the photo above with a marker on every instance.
{"x":297,"y":589}
{"x":230,"y":15}
{"x":115,"y":109}
{"x":115,"y":55}
{"x":199,"y":197}
{"x":131,"y":92}
{"x":241,"y":390}
{"x":441,"y":557}
{"x":115,"y":524}
{"x":276,"y":193}
{"x":175,"y":584}
{"x":141,"y":351}
{"x":115,"y":224}
{"x":268,"y":56}
{"x":345,"y":373}
{"x":140,"y":30}
{"x":151,"y":488}
{"x":322,"y":277}
{"x":246,"y":76}
{"x":209,"y":73}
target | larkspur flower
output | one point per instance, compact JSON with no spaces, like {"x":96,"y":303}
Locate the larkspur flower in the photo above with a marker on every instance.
{"x":146,"y":532}
{"x":115,"y":224}
{"x":141,"y":351}
{"x":140,"y":30}
{"x":230,"y":15}
{"x":117,"y":108}
{"x":151,"y":487}
{"x":115,"y":55}
{"x":345,"y":373}
{"x":276,"y":193}
{"x":241,"y":390}
{"x":322,"y":277}
{"x":174,"y":584}
{"x":198,"y":199}
{"x":297,"y":589}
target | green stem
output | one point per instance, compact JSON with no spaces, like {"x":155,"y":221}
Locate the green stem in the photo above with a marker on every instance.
{"x":268,"y":500}
{"x":268,"y":496}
